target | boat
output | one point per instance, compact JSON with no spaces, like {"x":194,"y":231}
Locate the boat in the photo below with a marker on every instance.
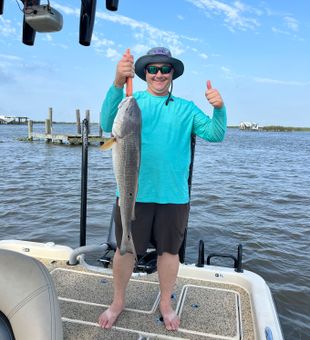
{"x":250,"y":126}
{"x":6,"y":119}
{"x":53,"y":292}
{"x":214,"y":302}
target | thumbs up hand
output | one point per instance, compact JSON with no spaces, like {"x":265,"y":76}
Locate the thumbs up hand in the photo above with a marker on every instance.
{"x":213,"y":96}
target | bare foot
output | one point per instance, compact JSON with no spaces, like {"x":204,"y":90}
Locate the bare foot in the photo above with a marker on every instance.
{"x":109,"y":317}
{"x":171,"y":319}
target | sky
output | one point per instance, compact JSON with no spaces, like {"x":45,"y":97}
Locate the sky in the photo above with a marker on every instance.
{"x":256,"y":53}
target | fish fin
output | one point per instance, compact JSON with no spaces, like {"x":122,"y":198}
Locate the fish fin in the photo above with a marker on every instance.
{"x":108,"y":144}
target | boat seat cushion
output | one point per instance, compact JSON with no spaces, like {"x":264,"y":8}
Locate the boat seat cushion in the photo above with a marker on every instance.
{"x":28,"y":298}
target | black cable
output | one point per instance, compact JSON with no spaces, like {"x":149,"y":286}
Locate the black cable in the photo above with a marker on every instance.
{"x":19,"y":6}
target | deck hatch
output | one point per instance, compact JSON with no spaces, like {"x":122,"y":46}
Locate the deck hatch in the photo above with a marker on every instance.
{"x":211,"y":312}
{"x":82,"y":287}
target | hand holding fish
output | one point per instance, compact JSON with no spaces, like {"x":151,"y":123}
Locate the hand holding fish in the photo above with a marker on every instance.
{"x":124,"y":70}
{"x":213,"y":96}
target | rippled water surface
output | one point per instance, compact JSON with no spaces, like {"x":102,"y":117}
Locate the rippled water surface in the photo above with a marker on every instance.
{"x":254,"y":189}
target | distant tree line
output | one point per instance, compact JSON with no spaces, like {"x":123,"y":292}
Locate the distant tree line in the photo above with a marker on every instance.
{"x":277,"y":128}
{"x":283,"y":128}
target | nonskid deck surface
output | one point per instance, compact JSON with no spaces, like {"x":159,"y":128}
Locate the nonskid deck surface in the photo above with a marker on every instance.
{"x":208,"y":310}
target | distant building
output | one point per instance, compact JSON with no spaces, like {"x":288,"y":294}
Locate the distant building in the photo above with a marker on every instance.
{"x":13,"y":120}
{"x":248,"y":126}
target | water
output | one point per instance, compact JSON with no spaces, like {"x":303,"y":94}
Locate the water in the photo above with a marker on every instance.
{"x":254,"y":189}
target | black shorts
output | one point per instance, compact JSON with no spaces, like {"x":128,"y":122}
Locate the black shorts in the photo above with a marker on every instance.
{"x":162,"y":225}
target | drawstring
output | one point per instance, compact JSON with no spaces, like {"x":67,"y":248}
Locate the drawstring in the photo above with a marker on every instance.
{"x":170,"y":92}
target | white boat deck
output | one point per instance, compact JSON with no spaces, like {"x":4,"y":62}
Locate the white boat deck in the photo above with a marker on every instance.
{"x":208,"y":310}
{"x":213,"y":302}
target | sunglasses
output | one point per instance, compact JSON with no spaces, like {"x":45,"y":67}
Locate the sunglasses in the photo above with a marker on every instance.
{"x":163,"y":69}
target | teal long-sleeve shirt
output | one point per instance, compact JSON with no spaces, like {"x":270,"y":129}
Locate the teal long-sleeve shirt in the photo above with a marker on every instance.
{"x":165,"y":141}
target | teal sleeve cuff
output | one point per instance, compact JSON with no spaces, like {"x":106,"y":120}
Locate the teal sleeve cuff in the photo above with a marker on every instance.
{"x":221,"y":111}
{"x":109,"y":107}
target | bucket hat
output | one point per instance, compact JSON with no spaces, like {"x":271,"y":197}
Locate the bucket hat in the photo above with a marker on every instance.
{"x":158,"y":55}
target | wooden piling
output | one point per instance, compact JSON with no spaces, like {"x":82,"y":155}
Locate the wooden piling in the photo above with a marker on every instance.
{"x":48,"y":135}
{"x":49,"y":124}
{"x":87,"y":116}
{"x":50,"y":117}
{"x":78,"y":121}
{"x":48,"y":129}
{"x":30,"y":129}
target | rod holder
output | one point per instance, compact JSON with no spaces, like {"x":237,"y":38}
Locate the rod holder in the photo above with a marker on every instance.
{"x":112,"y":5}
{"x":1,"y":6}
{"x":87,"y":20}
{"x":201,"y":254}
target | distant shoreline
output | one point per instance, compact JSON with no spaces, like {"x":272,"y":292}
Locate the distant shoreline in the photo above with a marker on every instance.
{"x":271,"y":128}
{"x":277,"y":128}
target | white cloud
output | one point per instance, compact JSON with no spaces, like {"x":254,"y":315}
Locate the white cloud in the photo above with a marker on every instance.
{"x":291,"y":23}
{"x":112,"y":54}
{"x":280,"y":82}
{"x":138,"y":49}
{"x":203,"y":56}
{"x":288,"y":26}
{"x":8,"y":64}
{"x":67,"y":10}
{"x":150,"y":35}
{"x":229,"y":74}
{"x":147,"y":35}
{"x":279,"y":31}
{"x":105,"y":46}
{"x":286,"y":33}
{"x":10,"y":57}
{"x":99,"y":42}
{"x":236,"y":16}
{"x":5,"y":77}
{"x":48,"y":37}
{"x":6,"y":28}
{"x":225,"y":69}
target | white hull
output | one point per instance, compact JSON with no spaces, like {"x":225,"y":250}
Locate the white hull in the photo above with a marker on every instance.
{"x":242,"y":301}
